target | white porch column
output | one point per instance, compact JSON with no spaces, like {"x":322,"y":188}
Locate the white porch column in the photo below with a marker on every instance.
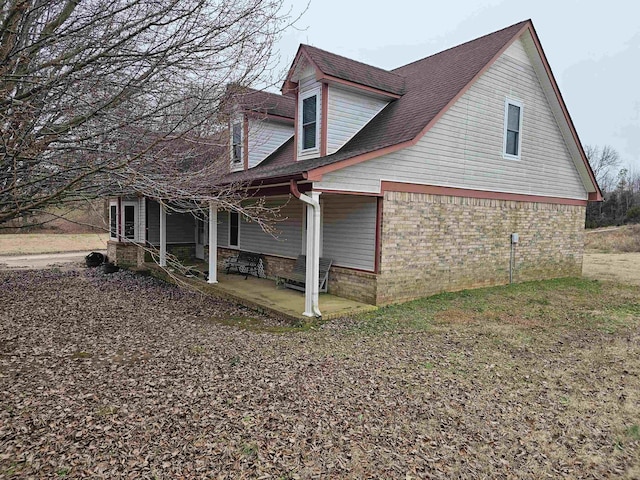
{"x":163,"y":235}
{"x":213,"y":243}
{"x":311,"y":306}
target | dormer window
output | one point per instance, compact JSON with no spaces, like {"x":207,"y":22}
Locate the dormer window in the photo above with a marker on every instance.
{"x":309,"y":122}
{"x":236,"y":149}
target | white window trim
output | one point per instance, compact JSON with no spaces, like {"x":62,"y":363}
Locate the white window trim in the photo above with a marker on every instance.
{"x":236,"y":247}
{"x":241,"y":144}
{"x":510,"y":101}
{"x":136,"y":218}
{"x":114,"y":235}
{"x":317,"y":91}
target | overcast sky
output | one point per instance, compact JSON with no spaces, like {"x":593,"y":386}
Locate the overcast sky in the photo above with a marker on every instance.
{"x":593,"y":48}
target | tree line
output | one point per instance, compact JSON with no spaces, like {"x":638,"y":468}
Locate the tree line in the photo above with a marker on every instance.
{"x":620,"y":189}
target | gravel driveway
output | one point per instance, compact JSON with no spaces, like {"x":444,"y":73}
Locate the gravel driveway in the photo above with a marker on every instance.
{"x":124,"y":377}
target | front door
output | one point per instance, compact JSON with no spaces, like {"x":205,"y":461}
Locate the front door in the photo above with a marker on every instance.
{"x":201,"y":238}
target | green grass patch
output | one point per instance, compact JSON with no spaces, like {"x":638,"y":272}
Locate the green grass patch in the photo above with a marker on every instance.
{"x":558,"y":303}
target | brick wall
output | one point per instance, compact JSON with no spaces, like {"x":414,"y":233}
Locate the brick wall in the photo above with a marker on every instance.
{"x":434,"y":243}
{"x":273,"y":266}
{"x":353,"y":284}
{"x":125,"y":254}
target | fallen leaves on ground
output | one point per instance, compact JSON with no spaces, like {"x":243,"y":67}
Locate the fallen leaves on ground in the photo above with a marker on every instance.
{"x":120,"y":376}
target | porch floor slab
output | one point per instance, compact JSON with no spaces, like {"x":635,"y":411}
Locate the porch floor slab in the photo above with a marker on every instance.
{"x":263,"y":294}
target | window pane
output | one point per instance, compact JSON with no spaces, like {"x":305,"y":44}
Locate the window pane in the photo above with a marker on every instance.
{"x":234,"y":228}
{"x":309,"y":136}
{"x":513,"y":122}
{"x":129,"y":221}
{"x":512,"y":142}
{"x":237,"y":142}
{"x":309,"y":110}
{"x":200,"y":232}
{"x":113,"y":221}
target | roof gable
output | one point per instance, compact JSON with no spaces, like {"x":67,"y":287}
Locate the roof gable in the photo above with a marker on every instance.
{"x":432,"y":85}
{"x":330,"y":66}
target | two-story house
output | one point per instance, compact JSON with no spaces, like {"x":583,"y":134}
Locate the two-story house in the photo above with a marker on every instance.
{"x":459,"y":170}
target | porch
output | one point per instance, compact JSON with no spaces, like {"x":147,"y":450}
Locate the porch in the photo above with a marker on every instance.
{"x":265,"y":294}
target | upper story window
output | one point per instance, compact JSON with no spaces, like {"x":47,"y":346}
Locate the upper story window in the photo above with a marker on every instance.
{"x":512,"y":128}
{"x":310,"y":122}
{"x":236,"y":146}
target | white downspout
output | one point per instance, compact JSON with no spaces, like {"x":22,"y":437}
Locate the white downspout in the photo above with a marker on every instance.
{"x":213,"y":243}
{"x":311,"y":294}
{"x":163,"y":235}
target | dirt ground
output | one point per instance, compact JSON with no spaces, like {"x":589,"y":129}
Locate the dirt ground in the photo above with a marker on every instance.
{"x":615,"y":267}
{"x":118,"y":376}
{"x":33,"y":243}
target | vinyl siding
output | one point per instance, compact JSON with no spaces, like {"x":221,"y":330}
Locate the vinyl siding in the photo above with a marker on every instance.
{"x":464,"y":149}
{"x":223,"y":228}
{"x":180,"y":226}
{"x":288,"y":240}
{"x":348,"y":112}
{"x":265,"y":137}
{"x":349,"y":230}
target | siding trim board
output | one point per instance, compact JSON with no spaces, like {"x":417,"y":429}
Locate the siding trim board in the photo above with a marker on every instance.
{"x":469,"y":193}
{"x":324,"y":113}
{"x":245,"y":141}
{"x":329,"y":78}
{"x":563,"y":107}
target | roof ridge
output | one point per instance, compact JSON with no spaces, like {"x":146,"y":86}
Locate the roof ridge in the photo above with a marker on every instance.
{"x":305,"y":45}
{"x":522,"y":23}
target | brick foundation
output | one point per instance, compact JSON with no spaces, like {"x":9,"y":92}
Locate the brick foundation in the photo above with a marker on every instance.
{"x":125,"y":254}
{"x":435,"y":243}
{"x":353,"y":284}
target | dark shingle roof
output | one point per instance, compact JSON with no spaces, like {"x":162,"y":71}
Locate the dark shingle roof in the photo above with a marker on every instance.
{"x":431,"y":83}
{"x":354,"y":71}
{"x":265,"y":102}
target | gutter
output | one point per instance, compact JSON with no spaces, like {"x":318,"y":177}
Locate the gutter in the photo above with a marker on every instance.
{"x":313,"y":247}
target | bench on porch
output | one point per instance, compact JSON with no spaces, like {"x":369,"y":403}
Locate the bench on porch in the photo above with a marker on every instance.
{"x":245,"y":263}
{"x":298,"y":277}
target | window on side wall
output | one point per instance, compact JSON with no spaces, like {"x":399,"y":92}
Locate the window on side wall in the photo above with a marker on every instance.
{"x":129,"y":220}
{"x":512,"y":129}
{"x":309,"y":122}
{"x":113,"y":220}
{"x":234,"y":229}
{"x":236,"y":148}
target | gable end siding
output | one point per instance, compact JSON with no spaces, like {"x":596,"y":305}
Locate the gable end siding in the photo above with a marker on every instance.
{"x":349,"y":230}
{"x":265,"y":137}
{"x":464,"y":148}
{"x":348,"y":112}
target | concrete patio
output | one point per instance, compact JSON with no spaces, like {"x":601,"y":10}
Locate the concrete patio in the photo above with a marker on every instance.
{"x":263,"y":294}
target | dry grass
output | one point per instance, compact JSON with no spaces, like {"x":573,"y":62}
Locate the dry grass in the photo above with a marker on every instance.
{"x":121,"y":377}
{"x":614,"y":267}
{"x":624,"y":239}
{"x":31,"y":243}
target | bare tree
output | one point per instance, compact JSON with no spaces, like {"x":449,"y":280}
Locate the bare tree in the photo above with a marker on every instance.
{"x":92,"y":92}
{"x":604,"y":163}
